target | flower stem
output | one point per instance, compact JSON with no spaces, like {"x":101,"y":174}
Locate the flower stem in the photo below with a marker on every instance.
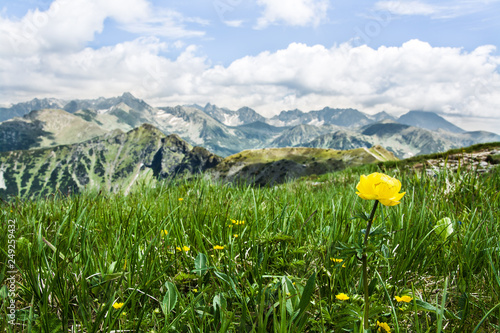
{"x":364,"y":259}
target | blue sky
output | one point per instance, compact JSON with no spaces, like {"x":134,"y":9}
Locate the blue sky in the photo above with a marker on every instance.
{"x":270,"y":55}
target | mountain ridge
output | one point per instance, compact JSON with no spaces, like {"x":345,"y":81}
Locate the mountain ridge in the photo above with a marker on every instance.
{"x":226,"y":132}
{"x":113,"y":162}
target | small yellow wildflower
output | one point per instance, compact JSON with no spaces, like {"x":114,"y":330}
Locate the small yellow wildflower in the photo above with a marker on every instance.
{"x":336,"y":260}
{"x":235,"y":235}
{"x":124,"y":313}
{"x":218,"y":247}
{"x":195,"y":290}
{"x":237,"y":222}
{"x":117,"y":305}
{"x":406,"y":299}
{"x":164,"y":232}
{"x":342,"y":297}
{"x":180,"y":199}
{"x":343,"y":265}
{"x":383,"y":327}
{"x":184,"y":248}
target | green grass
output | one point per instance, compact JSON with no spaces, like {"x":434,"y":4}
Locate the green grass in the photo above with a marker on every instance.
{"x":78,"y":255}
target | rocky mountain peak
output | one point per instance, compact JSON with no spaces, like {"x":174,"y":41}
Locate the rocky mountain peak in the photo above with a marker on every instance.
{"x":428,"y":120}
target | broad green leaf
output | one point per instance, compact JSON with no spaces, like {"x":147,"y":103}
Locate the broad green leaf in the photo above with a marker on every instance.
{"x":200,"y":264}
{"x":444,"y":228}
{"x":291,"y":295}
{"x":220,"y":301}
{"x":111,"y":268}
{"x":170,"y":298}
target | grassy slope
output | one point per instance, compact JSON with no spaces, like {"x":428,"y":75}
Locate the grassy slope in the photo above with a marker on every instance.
{"x":110,"y":248}
{"x":276,"y":165}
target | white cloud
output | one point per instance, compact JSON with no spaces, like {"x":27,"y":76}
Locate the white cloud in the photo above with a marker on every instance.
{"x":165,"y":23}
{"x":66,"y":26}
{"x":407,"y":7}
{"x":443,"y":10}
{"x":234,"y":23}
{"x":397,"y":79}
{"x":69,"y":24}
{"x":131,"y":66}
{"x":292,"y":12}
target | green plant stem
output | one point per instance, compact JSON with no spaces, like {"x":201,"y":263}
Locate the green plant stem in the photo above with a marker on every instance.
{"x":364,"y":259}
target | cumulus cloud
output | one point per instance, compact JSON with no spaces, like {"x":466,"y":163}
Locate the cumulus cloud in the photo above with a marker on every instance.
{"x":67,"y":25}
{"x":134,"y":66}
{"x":292,"y":12}
{"x":396,"y":79}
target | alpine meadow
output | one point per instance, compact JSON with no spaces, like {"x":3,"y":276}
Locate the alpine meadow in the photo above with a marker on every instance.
{"x":197,"y":255}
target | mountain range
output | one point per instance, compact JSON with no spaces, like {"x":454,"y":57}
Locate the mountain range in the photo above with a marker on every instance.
{"x":121,"y":162}
{"x":52,"y":122}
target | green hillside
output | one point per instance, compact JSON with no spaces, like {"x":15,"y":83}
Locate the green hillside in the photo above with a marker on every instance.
{"x":276,"y":165}
{"x":113,"y":162}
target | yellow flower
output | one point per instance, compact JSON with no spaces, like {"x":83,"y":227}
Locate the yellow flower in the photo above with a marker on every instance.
{"x":195,"y":290}
{"x":381,"y":187}
{"x":184,"y":248}
{"x":343,"y":265}
{"x":235,"y":235}
{"x":218,"y":247}
{"x":406,"y":299}
{"x":237,"y":222}
{"x":164,"y":232}
{"x":180,"y":199}
{"x":383,"y":327}
{"x":117,"y":305}
{"x":342,"y":297}
{"x":336,"y":260}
